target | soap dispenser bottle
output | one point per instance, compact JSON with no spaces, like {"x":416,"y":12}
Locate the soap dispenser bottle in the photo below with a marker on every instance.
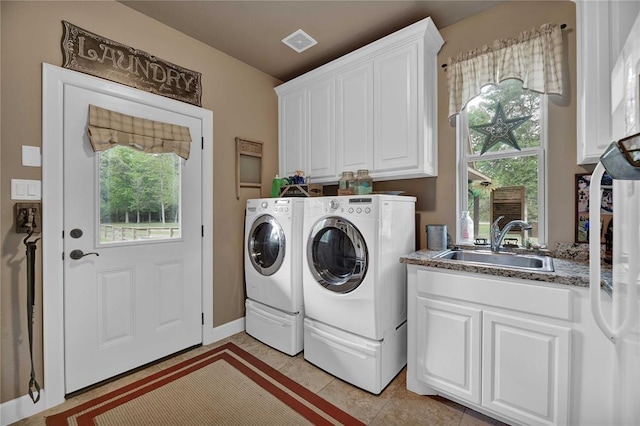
{"x":276,"y":184}
{"x":466,"y":229}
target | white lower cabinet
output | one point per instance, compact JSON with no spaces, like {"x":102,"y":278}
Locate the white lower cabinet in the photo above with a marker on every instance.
{"x":448,"y":345}
{"x":525,"y":369}
{"x":490,"y":344}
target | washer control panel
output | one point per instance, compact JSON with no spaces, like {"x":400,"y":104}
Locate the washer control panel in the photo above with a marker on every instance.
{"x":360,"y":206}
{"x":277,"y":205}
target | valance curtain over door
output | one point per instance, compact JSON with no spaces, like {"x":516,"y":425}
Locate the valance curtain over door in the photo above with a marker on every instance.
{"x":534,"y":57}
{"x":107,"y":129}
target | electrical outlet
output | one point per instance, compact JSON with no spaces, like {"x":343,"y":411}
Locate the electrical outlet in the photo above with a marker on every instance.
{"x":28,"y":218}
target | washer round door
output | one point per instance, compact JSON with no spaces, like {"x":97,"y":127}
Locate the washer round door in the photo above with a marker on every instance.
{"x":266,"y":245}
{"x":337,"y":254}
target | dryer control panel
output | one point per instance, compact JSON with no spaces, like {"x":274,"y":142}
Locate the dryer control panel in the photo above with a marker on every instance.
{"x":279,"y":205}
{"x":276,"y":205}
{"x":351,"y":205}
{"x":360,"y":205}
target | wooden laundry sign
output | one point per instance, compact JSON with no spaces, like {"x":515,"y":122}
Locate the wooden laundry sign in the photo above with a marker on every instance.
{"x":92,"y":54}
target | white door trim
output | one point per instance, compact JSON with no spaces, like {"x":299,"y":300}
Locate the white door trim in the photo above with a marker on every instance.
{"x":53,"y":81}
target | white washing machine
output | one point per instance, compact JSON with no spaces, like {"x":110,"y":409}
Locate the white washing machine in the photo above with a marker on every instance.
{"x":354,"y":286}
{"x":273,"y":272}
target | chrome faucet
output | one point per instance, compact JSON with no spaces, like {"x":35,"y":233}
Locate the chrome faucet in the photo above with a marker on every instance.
{"x":497,"y":235}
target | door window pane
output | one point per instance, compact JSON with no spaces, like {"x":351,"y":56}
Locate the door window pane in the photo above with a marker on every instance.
{"x":139,"y":196}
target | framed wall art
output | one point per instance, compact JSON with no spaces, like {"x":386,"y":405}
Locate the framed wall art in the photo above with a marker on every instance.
{"x":582,"y":184}
{"x":248,"y":165}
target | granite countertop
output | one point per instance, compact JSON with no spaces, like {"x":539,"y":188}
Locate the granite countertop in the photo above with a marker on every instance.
{"x":567,"y":271}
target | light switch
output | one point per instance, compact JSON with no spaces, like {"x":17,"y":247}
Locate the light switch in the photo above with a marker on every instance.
{"x":22,"y":189}
{"x":31,"y":156}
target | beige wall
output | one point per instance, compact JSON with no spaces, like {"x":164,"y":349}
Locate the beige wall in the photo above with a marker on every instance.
{"x":436,"y":196}
{"x":243,"y":102}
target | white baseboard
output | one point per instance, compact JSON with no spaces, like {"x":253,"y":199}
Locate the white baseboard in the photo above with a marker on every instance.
{"x":223,"y":331}
{"x":20,"y":408}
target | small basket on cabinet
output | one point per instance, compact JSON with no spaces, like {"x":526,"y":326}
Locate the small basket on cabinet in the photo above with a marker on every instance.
{"x":302,"y":190}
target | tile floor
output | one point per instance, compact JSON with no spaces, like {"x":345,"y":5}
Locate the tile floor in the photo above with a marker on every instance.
{"x":394,"y":406}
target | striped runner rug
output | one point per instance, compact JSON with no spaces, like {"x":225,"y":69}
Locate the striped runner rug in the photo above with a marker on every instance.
{"x":224,"y":386}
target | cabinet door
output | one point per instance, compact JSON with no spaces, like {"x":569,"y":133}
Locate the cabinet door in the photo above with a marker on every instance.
{"x":396,"y":142}
{"x":602,"y":28}
{"x":321,"y":132}
{"x":354,"y":122}
{"x":525,"y":369}
{"x":448,"y":347}
{"x":291,"y":146}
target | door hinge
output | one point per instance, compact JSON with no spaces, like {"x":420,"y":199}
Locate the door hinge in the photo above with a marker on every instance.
{"x":202,"y":143}
{"x":62,"y":255}
{"x":202,"y":318}
{"x":202,"y":231}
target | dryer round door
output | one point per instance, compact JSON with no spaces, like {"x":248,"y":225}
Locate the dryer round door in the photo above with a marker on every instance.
{"x":337,"y":254}
{"x":266,"y":245}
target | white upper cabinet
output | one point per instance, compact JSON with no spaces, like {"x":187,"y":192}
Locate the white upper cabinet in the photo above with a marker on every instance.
{"x":291,"y":125}
{"x":396,"y":146}
{"x":354,"y":126}
{"x":320,"y":131}
{"x":602,"y":27}
{"x":374,"y":109}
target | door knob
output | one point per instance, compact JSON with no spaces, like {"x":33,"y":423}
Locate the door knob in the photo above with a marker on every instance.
{"x":78,"y":254}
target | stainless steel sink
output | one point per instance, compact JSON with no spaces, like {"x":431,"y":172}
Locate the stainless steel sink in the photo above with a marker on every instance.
{"x":527,"y":262}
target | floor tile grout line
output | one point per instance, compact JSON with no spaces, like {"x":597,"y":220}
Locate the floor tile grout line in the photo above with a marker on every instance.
{"x":384,"y":405}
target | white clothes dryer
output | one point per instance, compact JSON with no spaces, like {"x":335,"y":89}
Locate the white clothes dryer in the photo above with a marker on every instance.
{"x":352,"y":275}
{"x":354,"y":286}
{"x":273,"y":272}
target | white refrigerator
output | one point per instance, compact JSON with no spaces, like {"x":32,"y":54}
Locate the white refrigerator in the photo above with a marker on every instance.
{"x":621,"y":327}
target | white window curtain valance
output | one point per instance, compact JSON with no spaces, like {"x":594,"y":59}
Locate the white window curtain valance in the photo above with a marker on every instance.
{"x":109,"y":128}
{"x":534,"y":57}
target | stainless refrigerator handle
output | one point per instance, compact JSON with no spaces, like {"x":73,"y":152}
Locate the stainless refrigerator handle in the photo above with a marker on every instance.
{"x":594,"y":254}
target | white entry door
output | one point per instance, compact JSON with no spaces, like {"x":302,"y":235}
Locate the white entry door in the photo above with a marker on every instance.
{"x":135,"y":295}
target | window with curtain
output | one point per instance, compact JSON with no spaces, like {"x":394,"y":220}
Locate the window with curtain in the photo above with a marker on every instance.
{"x":497,"y":98}
{"x":502,"y":146}
{"x":140,"y":177}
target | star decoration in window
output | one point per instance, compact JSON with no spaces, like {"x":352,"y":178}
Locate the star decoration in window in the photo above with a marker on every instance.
{"x":500,"y":130}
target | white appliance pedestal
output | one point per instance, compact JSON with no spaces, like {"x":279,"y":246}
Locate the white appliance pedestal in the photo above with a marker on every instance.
{"x":365,"y":363}
{"x":278,"y":329}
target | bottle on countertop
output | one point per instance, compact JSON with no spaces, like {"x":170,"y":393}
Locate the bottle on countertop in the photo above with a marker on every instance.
{"x":364,"y":182}
{"x":276,"y":185}
{"x":466,"y":229}
{"x":346,"y":184}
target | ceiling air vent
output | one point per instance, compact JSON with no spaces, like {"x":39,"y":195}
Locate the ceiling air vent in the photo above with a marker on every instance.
{"x":299,"y":41}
